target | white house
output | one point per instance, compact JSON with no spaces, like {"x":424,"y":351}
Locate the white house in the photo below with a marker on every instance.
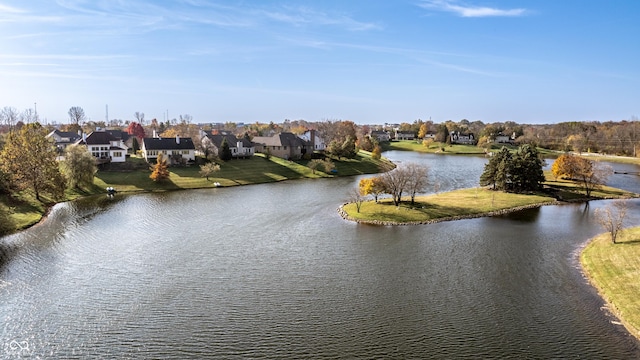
{"x":317,"y":143}
{"x":104,"y":147}
{"x":177,"y":150}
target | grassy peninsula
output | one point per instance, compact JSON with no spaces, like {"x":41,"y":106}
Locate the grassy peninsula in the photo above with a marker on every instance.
{"x":24,"y":210}
{"x":614,"y":270}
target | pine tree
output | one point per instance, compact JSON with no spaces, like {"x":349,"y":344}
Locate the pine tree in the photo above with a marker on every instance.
{"x":225,"y":152}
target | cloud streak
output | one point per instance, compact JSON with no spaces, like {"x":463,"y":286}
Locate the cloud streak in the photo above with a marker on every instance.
{"x":470,"y":10}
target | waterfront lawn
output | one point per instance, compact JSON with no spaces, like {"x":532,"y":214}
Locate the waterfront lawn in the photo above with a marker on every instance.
{"x":465,"y":202}
{"x":416,"y":145}
{"x":614,"y":270}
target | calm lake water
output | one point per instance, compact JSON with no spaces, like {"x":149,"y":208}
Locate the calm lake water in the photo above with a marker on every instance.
{"x":272,"y":271}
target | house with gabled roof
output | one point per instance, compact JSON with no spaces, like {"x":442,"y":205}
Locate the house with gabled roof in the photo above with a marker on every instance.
{"x":285,"y":145}
{"x":405,"y":135}
{"x":379,"y":135}
{"x":240,"y":148}
{"x":176,"y":150}
{"x":458,"y":137}
{"x":62,"y":139}
{"x":104,"y":147}
{"x":317,"y":142}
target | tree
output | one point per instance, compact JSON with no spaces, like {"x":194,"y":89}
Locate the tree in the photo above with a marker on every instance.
{"x":591,"y":175}
{"x":225,"y":151}
{"x":526,"y":169}
{"x":424,"y":128}
{"x":394,"y":183}
{"x":612,"y":218}
{"x":314,"y":165}
{"x":78,"y":166}
{"x":371,"y":186}
{"x":139,"y":116}
{"x":9,"y":116}
{"x":160,"y":171}
{"x":376,"y":154}
{"x":495,"y":171}
{"x":136,"y":130}
{"x":208,"y":169}
{"x":76,"y":115}
{"x":417,"y":179}
{"x":29,"y":159}
{"x":356,"y":198}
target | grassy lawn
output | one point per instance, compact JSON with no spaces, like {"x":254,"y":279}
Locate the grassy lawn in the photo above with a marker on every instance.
{"x":465,"y":202}
{"x":24,"y":210}
{"x":614,"y":269}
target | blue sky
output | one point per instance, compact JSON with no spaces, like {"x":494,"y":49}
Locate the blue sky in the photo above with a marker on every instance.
{"x":369,"y":61}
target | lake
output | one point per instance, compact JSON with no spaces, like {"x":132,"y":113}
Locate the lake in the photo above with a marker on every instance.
{"x":272,"y":271}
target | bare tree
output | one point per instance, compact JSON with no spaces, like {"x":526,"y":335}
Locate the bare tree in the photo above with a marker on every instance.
{"x":417,"y":179}
{"x":76,"y":115}
{"x":9,"y":116}
{"x":357,"y":198}
{"x":28,"y":116}
{"x":611,"y":218}
{"x":139,"y":117}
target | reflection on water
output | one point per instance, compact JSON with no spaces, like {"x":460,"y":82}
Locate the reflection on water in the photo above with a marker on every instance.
{"x":272,"y":271}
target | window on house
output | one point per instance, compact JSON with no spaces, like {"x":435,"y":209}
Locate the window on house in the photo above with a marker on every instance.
{"x":117,"y":153}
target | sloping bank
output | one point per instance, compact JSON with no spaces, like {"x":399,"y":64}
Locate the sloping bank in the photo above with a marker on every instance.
{"x":614,"y":270}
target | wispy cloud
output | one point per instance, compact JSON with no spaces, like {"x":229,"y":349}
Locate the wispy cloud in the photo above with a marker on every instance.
{"x":465,"y":10}
{"x":299,"y":16}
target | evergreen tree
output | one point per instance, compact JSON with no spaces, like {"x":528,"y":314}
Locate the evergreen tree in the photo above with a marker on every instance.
{"x":225,"y":151}
{"x":527,"y":171}
{"x":29,"y":160}
{"x":494,"y":172}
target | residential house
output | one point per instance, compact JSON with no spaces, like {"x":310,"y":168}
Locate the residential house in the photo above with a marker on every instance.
{"x":430,"y":135}
{"x":317,"y":143}
{"x":104,"y":147}
{"x":62,"y":139}
{"x":462,"y":138}
{"x":381,"y":136}
{"x":285,"y":145}
{"x":176,"y":150}
{"x":503,"y":139}
{"x":240,"y":148}
{"x":123,"y":136}
{"x":405,"y":135}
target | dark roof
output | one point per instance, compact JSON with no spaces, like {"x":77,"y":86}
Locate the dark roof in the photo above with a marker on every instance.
{"x":168,"y":144}
{"x":282,"y":139}
{"x":98,"y":138}
{"x":119,"y":134}
{"x":72,"y":136}
{"x":232,"y":140}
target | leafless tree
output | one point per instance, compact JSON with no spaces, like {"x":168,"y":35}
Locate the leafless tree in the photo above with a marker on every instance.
{"x":9,"y":117}
{"x":357,"y":198}
{"x":139,"y":117}
{"x":417,"y":179}
{"x":611,"y":218}
{"x":28,"y":116}
{"x":76,"y":115}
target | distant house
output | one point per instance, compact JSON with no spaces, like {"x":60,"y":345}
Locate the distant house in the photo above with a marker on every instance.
{"x":62,"y":139}
{"x":381,"y":136}
{"x":104,"y":147}
{"x":177,"y":150}
{"x":284,"y":145}
{"x":317,"y":143}
{"x":503,"y":139}
{"x":240,"y":148}
{"x":405,"y":135}
{"x":462,"y":138}
{"x":430,"y":135}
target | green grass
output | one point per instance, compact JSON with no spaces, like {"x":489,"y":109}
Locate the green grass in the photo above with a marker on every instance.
{"x":614,"y":269}
{"x":416,"y":145}
{"x":23,"y":210}
{"x":458,"y":203}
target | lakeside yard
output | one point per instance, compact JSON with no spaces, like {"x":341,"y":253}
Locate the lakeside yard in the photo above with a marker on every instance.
{"x":24,"y":210}
{"x":614,"y":270}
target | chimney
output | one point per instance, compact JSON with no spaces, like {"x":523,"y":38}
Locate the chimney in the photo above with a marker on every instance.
{"x":177,"y":139}
{"x":155,"y":135}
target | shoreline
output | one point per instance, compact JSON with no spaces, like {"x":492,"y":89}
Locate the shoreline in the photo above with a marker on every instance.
{"x":346,"y":216}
